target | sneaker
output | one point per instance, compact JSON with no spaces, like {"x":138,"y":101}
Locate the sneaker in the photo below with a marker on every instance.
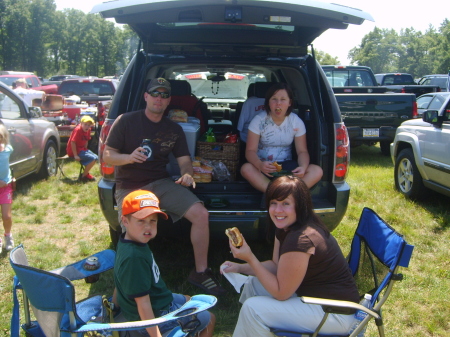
{"x":207,"y":282}
{"x":88,"y":177}
{"x":9,"y":243}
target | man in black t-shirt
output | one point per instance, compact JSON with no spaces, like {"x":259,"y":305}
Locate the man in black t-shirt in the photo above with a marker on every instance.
{"x":140,"y":167}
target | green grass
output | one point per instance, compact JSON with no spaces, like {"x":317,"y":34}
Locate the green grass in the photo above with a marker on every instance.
{"x":59,"y":221}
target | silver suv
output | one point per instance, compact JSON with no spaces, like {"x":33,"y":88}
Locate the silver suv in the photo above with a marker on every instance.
{"x":420,"y":152}
{"x":34,"y":139}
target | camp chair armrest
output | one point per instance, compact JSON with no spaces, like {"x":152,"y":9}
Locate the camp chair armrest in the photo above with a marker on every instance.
{"x":75,"y":271}
{"x":196,"y":304}
{"x":338,"y":307}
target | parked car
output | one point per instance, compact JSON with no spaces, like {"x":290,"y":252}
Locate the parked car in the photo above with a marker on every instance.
{"x":95,"y":99}
{"x":437,"y":79}
{"x":34,"y":139}
{"x":32,"y":80}
{"x":62,"y":77}
{"x":194,"y":45}
{"x":431,"y":101}
{"x":420,"y":153}
{"x":404,"y":83}
{"x":57,"y":79}
{"x":370,"y":114}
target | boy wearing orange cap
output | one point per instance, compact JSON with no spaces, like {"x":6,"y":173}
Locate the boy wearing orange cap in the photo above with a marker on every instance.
{"x":140,"y":291}
{"x":77,"y":147}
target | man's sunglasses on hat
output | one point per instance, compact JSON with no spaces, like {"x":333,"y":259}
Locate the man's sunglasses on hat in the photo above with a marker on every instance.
{"x":157,"y":93}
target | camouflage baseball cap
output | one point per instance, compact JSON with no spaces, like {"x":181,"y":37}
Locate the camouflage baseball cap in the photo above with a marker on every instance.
{"x":159,"y":83}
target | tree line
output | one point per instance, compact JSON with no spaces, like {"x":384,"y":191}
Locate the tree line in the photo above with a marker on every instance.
{"x":410,"y":51}
{"x":34,"y":36}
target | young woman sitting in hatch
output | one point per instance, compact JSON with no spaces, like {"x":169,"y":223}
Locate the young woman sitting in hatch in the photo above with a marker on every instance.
{"x":270,"y":137}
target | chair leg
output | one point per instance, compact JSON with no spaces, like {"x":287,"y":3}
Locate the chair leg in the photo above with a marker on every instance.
{"x":61,"y":161}
{"x":59,"y":165}
{"x":81,"y":171}
{"x":322,"y":322}
{"x":380,"y":326}
{"x":26,"y":309}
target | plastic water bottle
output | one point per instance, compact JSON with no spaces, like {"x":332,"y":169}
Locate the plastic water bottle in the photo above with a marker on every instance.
{"x":360,"y":315}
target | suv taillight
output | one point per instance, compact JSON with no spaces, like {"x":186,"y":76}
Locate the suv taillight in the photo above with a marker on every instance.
{"x":106,"y":170}
{"x":415,"y":113}
{"x":342,"y":153}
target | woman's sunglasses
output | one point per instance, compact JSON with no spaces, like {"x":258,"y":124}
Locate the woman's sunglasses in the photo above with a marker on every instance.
{"x":158,"y":93}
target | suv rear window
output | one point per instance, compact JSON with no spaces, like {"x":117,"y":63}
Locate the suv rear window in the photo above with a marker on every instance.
{"x":345,"y":78}
{"x":440,"y":81}
{"x":398,"y":79}
{"x":220,"y":86}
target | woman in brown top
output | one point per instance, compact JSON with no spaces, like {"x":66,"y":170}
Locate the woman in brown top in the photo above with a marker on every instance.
{"x":306,"y":261}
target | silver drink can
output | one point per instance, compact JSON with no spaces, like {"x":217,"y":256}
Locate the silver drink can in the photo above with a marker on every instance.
{"x":91,"y":264}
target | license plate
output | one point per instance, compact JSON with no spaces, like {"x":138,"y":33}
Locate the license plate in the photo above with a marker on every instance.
{"x":65,"y":133}
{"x":371,"y":132}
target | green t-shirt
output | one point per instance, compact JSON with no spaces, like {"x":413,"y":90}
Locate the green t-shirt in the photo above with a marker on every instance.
{"x":136,"y":274}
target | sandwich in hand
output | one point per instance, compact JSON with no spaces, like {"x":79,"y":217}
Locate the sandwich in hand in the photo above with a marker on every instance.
{"x":277,"y":166}
{"x":235,"y":236}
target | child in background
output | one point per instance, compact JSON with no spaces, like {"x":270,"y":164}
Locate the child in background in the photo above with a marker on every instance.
{"x":141,"y":293}
{"x":6,"y":192}
{"x":77,"y":147}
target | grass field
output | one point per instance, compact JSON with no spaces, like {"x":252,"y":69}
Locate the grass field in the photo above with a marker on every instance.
{"x":59,"y":222}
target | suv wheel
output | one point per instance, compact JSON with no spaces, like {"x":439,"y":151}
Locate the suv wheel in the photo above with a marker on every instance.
{"x":407,"y":177}
{"x":48,"y":167}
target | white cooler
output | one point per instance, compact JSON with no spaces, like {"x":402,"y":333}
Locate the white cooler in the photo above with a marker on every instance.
{"x":192,"y":131}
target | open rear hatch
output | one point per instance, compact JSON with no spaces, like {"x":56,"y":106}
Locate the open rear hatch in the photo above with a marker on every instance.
{"x":249,"y":27}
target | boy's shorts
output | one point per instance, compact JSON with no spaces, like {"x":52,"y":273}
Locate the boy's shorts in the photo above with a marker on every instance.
{"x":174,"y":199}
{"x":6,"y":195}
{"x":87,"y":157}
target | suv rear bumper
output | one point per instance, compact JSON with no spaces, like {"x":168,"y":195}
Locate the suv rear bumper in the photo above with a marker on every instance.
{"x":249,"y":216}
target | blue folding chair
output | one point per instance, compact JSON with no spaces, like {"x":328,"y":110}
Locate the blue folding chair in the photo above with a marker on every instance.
{"x":377,"y":252}
{"x":51,"y":296}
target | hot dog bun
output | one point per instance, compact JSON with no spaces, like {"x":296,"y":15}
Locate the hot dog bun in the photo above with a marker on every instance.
{"x":235,"y":236}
